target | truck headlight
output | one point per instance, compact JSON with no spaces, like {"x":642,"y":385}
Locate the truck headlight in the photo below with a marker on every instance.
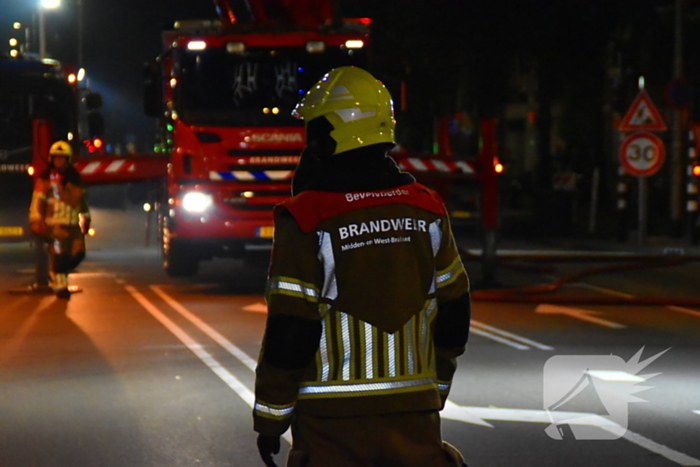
{"x":197,"y":202}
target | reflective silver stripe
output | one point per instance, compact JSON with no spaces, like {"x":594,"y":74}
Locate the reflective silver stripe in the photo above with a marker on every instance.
{"x":292,"y":287}
{"x":435,"y":240}
{"x":442,"y":387}
{"x":449,"y":274}
{"x":347,"y":351}
{"x":391,"y":349}
{"x":426,"y":321}
{"x":275,"y":412}
{"x":325,"y":255}
{"x":435,"y":236}
{"x":369,"y":351}
{"x":444,"y":277}
{"x":408,"y":329}
{"x":365,"y":387}
{"x":323,"y":349}
{"x":285,"y":285}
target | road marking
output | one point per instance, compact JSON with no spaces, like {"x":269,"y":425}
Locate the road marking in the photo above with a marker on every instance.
{"x":684,"y":310}
{"x":256,"y":308}
{"x":206,"y":329}
{"x":479,"y":415}
{"x":614,"y":375}
{"x":494,"y":337}
{"x":601,"y":289}
{"x":13,"y":344}
{"x":515,"y":337}
{"x":225,"y":375}
{"x":19,"y":303}
{"x":472,"y":415}
{"x":578,"y":313}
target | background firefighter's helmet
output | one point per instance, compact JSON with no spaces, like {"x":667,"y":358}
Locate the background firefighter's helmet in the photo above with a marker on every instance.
{"x":61,"y":148}
{"x":357,"y":105}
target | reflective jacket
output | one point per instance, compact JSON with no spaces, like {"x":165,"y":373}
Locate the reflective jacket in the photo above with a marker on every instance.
{"x":59,"y":198}
{"x":371,"y":268}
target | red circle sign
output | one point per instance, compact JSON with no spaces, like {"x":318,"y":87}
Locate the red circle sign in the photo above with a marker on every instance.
{"x":642,"y":154}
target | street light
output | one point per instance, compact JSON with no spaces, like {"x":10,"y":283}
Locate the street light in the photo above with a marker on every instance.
{"x":45,"y":5}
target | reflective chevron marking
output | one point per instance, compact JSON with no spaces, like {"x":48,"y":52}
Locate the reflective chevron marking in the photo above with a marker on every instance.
{"x":245,"y":175}
{"x":435,"y":165}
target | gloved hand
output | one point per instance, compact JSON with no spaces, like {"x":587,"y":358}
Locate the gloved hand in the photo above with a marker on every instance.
{"x":267,"y":446}
{"x":85,"y":225}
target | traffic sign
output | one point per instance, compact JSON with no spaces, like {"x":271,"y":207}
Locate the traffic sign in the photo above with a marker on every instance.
{"x":642,"y":154}
{"x":642,"y":115}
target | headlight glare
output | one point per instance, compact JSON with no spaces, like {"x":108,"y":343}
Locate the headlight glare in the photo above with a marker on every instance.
{"x":197,"y":202}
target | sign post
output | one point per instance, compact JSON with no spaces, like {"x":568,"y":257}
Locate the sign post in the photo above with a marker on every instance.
{"x":642,"y":153}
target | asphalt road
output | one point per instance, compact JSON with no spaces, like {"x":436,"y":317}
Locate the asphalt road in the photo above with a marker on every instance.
{"x":140,"y":369}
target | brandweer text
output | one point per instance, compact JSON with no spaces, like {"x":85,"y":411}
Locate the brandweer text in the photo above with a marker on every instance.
{"x":382,"y":225}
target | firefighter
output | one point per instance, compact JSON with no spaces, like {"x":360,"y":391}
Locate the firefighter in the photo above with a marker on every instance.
{"x":60,"y":215}
{"x":368,"y":300}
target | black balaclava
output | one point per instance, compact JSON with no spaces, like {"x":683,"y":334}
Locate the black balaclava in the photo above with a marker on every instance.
{"x":362,"y":169}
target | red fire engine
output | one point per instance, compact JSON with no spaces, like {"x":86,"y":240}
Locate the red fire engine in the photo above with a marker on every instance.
{"x":224,"y":92}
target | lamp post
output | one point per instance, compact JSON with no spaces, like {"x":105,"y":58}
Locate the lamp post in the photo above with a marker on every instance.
{"x":45,"y":5}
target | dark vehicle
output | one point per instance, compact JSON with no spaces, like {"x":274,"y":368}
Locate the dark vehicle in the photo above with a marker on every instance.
{"x":29,"y":90}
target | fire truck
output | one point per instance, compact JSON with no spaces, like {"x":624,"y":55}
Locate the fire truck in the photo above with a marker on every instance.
{"x":223,"y":92}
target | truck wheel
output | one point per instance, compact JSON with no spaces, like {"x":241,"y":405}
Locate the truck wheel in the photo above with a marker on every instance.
{"x":179,"y":260}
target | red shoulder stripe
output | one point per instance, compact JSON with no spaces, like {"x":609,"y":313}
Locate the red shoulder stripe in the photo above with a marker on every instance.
{"x":313,"y":207}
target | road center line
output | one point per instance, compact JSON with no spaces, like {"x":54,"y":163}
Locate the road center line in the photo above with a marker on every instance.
{"x":225,"y":375}
{"x":601,"y":289}
{"x":683,"y":310}
{"x":234,"y":383}
{"x":499,"y":339}
{"x":196,"y":348}
{"x":578,"y":313}
{"x":206,"y":329}
{"x":515,"y":337}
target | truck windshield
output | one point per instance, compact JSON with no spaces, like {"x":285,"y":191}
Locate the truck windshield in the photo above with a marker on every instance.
{"x":258,"y":88}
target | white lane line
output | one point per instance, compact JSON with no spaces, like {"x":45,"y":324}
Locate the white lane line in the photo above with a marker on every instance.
{"x":670,"y":454}
{"x":206,"y":329}
{"x":255,"y":308}
{"x":578,"y":313}
{"x":501,"y":340}
{"x":601,"y":289}
{"x":476,"y":412}
{"x":680,"y":309}
{"x":196,"y":348}
{"x":479,"y":415}
{"x":515,"y":337}
{"x":226,"y":376}
{"x":13,"y":344}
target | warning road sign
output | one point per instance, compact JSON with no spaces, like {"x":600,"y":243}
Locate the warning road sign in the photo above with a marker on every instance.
{"x":642,"y":115}
{"x":642,"y":154}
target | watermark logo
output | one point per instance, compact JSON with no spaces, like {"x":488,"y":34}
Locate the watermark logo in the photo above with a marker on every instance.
{"x":604,"y":385}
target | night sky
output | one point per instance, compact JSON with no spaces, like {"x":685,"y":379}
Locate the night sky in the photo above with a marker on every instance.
{"x":119,"y":37}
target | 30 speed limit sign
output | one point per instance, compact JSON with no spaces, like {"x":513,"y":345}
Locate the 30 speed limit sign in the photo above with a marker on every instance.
{"x":642,"y":154}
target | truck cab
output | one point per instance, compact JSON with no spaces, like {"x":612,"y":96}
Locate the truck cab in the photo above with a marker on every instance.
{"x":224,"y":98}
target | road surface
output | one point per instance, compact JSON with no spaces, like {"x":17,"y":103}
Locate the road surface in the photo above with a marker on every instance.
{"x":140,"y":369}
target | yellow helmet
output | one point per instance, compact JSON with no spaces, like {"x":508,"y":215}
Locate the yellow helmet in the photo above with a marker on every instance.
{"x":61,"y":148}
{"x":357,"y":105}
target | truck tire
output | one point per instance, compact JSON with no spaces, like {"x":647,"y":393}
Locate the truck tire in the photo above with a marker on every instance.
{"x":179,"y":260}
